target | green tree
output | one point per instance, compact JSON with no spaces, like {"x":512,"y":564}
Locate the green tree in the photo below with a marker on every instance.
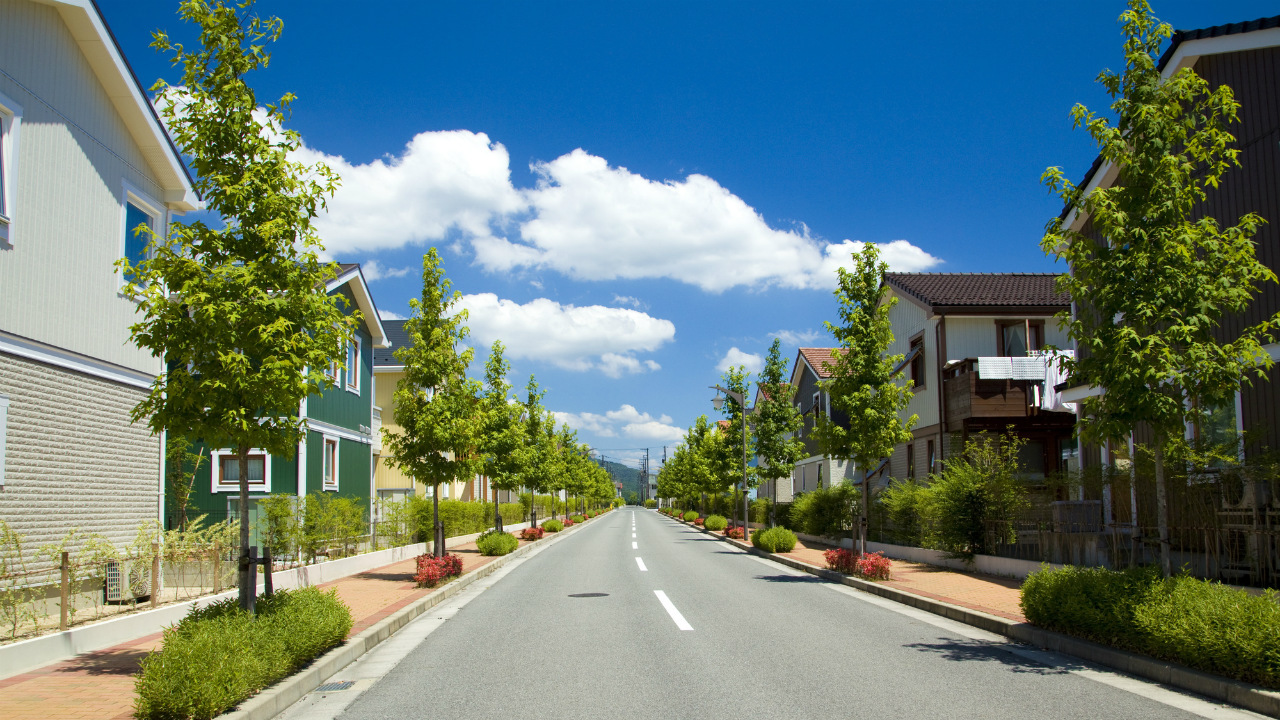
{"x":501,"y":432}
{"x":538,"y":456}
{"x":863,"y":384}
{"x":240,"y":314}
{"x":437,"y":406}
{"x":729,"y":451}
{"x":778,"y":424}
{"x":1152,"y":283}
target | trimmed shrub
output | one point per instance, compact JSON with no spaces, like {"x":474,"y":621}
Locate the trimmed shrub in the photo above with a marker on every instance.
{"x":496,"y":543}
{"x":1204,"y":625}
{"x":690,"y":516}
{"x":737,"y":532}
{"x":842,"y":560}
{"x":715,"y":522}
{"x":433,"y":570}
{"x":828,"y":512}
{"x":552,"y":526}
{"x":651,"y":503}
{"x":698,"y":521}
{"x":577,"y":519}
{"x":774,"y":540}
{"x":533,"y":533}
{"x":220,"y":655}
{"x":874,"y":566}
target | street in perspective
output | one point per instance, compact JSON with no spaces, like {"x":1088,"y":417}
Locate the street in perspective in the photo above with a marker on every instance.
{"x":656,"y":360}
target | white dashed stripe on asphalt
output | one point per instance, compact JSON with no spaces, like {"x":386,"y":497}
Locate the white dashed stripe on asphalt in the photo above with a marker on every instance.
{"x":672,"y":611}
{"x":641,"y":564}
{"x":635,"y":546}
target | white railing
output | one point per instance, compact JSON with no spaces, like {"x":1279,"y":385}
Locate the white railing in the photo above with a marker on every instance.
{"x":376,"y":431}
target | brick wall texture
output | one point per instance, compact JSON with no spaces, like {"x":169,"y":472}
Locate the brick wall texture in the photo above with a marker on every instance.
{"x":73,"y":458}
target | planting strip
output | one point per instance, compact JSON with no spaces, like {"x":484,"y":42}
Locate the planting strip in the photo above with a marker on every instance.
{"x":1242,"y":694}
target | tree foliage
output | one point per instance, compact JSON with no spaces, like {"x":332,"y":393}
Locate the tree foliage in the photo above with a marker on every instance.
{"x":501,"y":432}
{"x":777,"y":421}
{"x":1153,"y":284}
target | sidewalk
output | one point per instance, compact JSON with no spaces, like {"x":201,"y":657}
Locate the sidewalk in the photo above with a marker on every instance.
{"x":99,"y":685}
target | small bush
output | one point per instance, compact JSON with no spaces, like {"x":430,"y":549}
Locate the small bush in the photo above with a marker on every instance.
{"x":828,"y":512}
{"x":220,"y":655}
{"x":1201,"y":624}
{"x":496,"y":543}
{"x":715,"y":522}
{"x":434,"y":570}
{"x":533,"y":533}
{"x":698,"y":521}
{"x":842,"y":560}
{"x":690,"y":516}
{"x":552,"y":526}
{"x":874,"y":566}
{"x":737,"y":532}
{"x":577,"y":519}
{"x":568,"y":522}
{"x":774,"y":540}
{"x":651,"y":503}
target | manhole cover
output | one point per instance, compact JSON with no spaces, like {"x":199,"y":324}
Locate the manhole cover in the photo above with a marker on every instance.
{"x":589,"y":595}
{"x":330,"y":687}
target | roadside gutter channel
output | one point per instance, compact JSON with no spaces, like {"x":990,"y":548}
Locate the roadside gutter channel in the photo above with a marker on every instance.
{"x":1242,"y":694}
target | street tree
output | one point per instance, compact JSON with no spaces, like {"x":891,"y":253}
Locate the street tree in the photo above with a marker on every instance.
{"x":1152,"y":283}
{"x":239,"y":313}
{"x":437,"y":405}
{"x":778,"y":423}
{"x":734,"y":442}
{"x":537,"y":455}
{"x":864,"y":386}
{"x":501,"y":432}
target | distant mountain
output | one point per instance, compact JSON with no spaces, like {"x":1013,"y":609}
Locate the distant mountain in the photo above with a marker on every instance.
{"x":628,"y":476}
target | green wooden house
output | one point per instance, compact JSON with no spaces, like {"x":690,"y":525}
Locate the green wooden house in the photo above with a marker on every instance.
{"x":338,"y":454}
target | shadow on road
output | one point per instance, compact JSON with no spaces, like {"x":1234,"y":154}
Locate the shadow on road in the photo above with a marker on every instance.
{"x":976,"y":651}
{"x":790,"y":578}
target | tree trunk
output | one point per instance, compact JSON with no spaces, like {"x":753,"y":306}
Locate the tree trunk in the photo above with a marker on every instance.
{"x":1162,"y":506}
{"x":247,"y":591}
{"x":497,"y":513}
{"x":863,"y":514}
{"x":437,"y":530}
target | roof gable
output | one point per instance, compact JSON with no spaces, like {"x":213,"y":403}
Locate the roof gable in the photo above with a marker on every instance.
{"x":349,"y":274}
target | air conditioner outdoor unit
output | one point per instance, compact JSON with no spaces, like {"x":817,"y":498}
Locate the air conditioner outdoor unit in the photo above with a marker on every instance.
{"x":1244,"y":493}
{"x":126,"y":583}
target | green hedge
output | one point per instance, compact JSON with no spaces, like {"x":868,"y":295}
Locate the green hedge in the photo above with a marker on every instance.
{"x":462,"y":517}
{"x":219,"y":655}
{"x":651,"y":503}
{"x":496,"y":543}
{"x":552,"y":525}
{"x":715,"y":522}
{"x":690,"y":516}
{"x":1201,"y":624}
{"x":774,"y":540}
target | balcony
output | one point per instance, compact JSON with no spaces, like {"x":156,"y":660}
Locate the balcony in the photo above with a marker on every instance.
{"x":977,"y":403}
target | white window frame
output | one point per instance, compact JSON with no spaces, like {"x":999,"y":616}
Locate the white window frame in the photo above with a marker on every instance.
{"x":4,"y":432}
{"x":10,"y":124}
{"x":215,"y":472}
{"x":353,"y":388}
{"x":131,"y":195}
{"x":325,"y":482}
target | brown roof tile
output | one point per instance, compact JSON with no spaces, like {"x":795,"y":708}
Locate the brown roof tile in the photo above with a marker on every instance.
{"x":980,"y":289}
{"x":818,"y":358}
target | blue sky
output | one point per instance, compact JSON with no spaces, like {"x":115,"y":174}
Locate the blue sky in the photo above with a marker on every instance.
{"x":630,"y":193}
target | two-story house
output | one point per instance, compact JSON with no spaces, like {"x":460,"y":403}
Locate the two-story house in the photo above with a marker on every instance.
{"x":815,"y":470}
{"x":337,"y":455}
{"x":83,"y":160}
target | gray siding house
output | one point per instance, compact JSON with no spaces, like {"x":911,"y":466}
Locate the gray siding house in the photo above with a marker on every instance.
{"x":83,"y":157}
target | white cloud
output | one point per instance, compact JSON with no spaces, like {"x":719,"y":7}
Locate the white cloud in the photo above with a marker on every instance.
{"x":568,"y":336}
{"x":374,"y":271}
{"x":801,"y":338}
{"x":627,"y":422}
{"x":737,"y":357}
{"x":628,"y":300}
{"x":388,"y":315}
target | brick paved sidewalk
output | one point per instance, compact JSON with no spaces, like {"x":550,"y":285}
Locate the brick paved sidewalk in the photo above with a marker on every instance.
{"x":986,"y":593}
{"x":99,"y":685}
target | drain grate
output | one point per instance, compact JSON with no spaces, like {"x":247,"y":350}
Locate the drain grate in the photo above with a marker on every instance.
{"x":340,"y":685}
{"x":589,"y":595}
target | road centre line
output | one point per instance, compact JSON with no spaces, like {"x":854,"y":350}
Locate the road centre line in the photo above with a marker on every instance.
{"x":634,"y":546}
{"x":672,"y":611}
{"x":641,"y":564}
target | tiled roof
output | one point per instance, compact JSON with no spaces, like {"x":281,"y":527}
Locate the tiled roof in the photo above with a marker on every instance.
{"x":819,"y":358}
{"x":384,"y":357}
{"x":980,"y":289}
{"x":1175,"y":40}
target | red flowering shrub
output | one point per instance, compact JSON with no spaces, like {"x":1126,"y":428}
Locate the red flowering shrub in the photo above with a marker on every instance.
{"x":532,"y":533}
{"x":841,"y":560}
{"x":699,"y":521}
{"x":433,"y":570}
{"x":736,"y":532}
{"x":874,"y":566}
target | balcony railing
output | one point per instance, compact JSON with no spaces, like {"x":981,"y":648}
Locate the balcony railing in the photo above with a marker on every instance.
{"x":377,"y":429}
{"x":970,"y":396}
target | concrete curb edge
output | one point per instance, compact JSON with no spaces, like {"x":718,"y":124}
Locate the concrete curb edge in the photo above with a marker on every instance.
{"x":275,"y":699}
{"x":1235,"y":692}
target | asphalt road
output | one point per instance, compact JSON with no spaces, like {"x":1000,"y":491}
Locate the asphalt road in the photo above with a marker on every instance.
{"x":636,"y":616}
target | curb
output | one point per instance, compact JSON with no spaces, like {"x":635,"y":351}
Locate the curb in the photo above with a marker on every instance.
{"x":1242,"y":694}
{"x":277,"y":698}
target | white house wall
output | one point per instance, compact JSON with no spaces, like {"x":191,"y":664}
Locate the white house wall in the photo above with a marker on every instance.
{"x":971,"y":337}
{"x":75,"y":156}
{"x":908,"y":319}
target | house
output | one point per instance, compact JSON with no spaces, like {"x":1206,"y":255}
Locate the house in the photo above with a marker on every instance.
{"x":391,"y":483}
{"x":811,"y":367}
{"x":971,"y":345}
{"x":338,"y":453}
{"x":83,"y":158}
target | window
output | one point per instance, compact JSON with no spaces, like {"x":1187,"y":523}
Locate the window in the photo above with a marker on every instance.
{"x":932,"y":466}
{"x":226,"y":471}
{"x":1217,"y":432}
{"x":1013,"y":337}
{"x":330,"y":463}
{"x":353,"y":365}
{"x":817,"y":403}
{"x":10,"y":120}
{"x":917,"y":362}
{"x":911,"y":461}
{"x":139,"y":210}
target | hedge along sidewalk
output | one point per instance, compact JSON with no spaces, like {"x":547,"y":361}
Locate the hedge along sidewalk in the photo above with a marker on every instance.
{"x":1245,"y":695}
{"x":100,"y":684}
